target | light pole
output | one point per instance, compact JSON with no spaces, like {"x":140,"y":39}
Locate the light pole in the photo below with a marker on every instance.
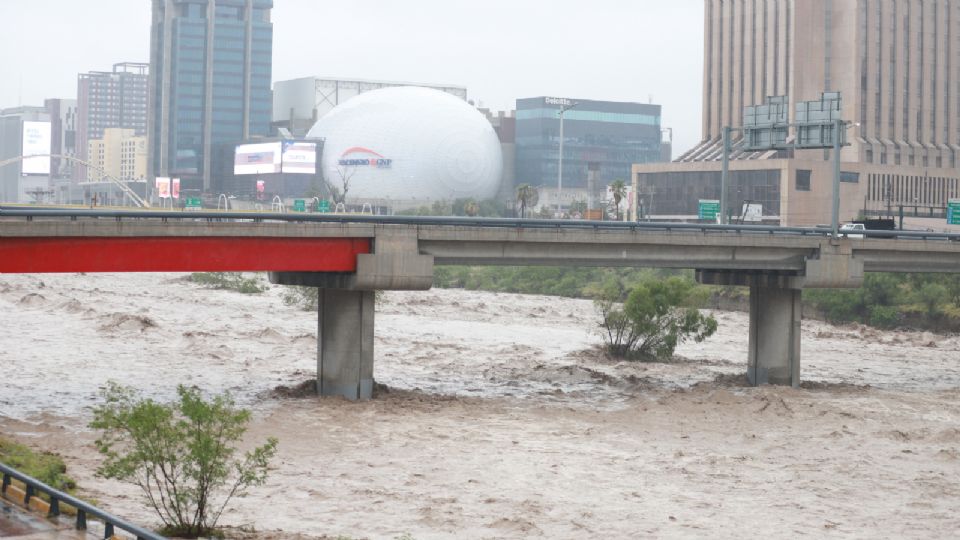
{"x":564,"y":107}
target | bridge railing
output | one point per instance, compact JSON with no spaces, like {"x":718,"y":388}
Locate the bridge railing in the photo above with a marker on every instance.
{"x":214,"y":216}
{"x":84,"y":510}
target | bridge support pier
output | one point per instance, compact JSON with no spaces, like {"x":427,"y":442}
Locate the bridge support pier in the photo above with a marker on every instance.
{"x":345,"y":343}
{"x":345,"y":309}
{"x":775,"y":315}
{"x":774,"y":351}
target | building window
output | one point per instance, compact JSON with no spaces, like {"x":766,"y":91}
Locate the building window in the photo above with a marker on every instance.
{"x":803,"y":180}
{"x":850,"y":177}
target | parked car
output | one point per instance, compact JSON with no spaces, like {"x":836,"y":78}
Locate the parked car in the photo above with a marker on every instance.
{"x":853,"y":230}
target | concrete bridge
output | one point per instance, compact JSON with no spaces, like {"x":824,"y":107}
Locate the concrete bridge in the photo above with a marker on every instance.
{"x":350,"y":257}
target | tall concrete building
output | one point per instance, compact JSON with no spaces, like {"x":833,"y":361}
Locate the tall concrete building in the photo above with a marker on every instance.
{"x":110,"y":99}
{"x":121,"y":153}
{"x":211,"y":68}
{"x":63,"y":119}
{"x":896,"y":64}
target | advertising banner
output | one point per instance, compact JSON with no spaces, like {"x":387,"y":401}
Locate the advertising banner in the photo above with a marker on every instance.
{"x":163,"y":187}
{"x":257,"y":159}
{"x":299,"y":157}
{"x":175,"y":187}
{"x":36,"y":142}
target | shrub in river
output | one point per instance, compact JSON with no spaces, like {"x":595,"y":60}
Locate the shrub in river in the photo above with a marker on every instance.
{"x":653,"y":321}
{"x":231,"y":281}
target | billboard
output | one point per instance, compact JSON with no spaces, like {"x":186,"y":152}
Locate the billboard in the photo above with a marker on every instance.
{"x":261,"y":158}
{"x":36,"y":142}
{"x":299,"y":157}
{"x":163,"y":187}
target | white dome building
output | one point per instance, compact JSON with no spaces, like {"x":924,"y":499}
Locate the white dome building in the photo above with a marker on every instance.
{"x":408,"y":144}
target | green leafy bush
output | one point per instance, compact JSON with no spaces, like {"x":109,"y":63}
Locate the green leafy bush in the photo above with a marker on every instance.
{"x":231,"y":281}
{"x":653,"y":320}
{"x":44,"y":466}
{"x":182,"y":454}
{"x":884,"y":316}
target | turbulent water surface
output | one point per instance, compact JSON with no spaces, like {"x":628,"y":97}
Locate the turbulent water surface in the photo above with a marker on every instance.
{"x":500,"y":419}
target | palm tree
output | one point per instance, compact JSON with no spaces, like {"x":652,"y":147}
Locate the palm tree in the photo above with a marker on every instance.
{"x":619,"y":191}
{"x":525,"y":196}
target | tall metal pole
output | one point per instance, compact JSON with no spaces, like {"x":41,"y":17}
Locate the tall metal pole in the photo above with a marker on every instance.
{"x":838,"y":127}
{"x":725,"y":175}
{"x":560,"y":164}
{"x":564,"y":107}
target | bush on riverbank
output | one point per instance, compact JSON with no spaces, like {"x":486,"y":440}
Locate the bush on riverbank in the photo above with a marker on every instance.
{"x":44,"y":466}
{"x":183,"y":455}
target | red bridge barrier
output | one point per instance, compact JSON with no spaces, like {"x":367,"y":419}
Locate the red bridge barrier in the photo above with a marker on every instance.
{"x":179,"y":254}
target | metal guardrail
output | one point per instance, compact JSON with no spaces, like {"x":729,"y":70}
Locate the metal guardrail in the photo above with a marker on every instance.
{"x":214,"y":216}
{"x":110,"y":522}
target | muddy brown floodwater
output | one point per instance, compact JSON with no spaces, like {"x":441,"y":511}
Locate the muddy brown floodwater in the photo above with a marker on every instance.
{"x":501,"y":419}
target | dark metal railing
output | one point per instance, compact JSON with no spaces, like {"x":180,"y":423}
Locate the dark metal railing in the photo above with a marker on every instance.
{"x":84,"y":510}
{"x":218,"y":216}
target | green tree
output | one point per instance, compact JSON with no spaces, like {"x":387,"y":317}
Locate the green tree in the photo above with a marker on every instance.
{"x":653,"y":320}
{"x":930,"y":295}
{"x":578,"y":206}
{"x":493,"y":208}
{"x":526,"y":194}
{"x":619,"y":191}
{"x":182,"y":455}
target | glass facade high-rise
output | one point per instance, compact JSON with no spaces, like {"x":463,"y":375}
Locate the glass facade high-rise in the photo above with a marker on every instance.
{"x":211,"y":71}
{"x":602,"y":137}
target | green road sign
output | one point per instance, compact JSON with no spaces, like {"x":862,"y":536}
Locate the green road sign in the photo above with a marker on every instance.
{"x":299,"y":205}
{"x":324,"y":206}
{"x":709,"y":209}
{"x":953,"y":212}
{"x":193,"y":202}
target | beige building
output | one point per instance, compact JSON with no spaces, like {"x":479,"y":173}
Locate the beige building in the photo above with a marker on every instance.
{"x":120,"y":154}
{"x":896,"y":64}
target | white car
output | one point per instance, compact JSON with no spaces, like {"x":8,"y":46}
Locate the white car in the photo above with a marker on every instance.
{"x":853,"y":230}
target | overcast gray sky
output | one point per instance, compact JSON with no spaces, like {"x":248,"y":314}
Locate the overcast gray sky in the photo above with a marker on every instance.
{"x":628,"y":50}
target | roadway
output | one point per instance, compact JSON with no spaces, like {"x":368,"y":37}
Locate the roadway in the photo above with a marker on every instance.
{"x":485,"y":241}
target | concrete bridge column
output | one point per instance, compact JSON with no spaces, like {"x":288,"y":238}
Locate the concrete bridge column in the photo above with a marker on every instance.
{"x":345,"y":343}
{"x":346,"y":306}
{"x":774,"y":352}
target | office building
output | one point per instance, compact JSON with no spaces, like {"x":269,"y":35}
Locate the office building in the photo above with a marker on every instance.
{"x":894,"y":63}
{"x":25,"y":131}
{"x":211,"y":68}
{"x":602,"y":140}
{"x":299,"y":103}
{"x":110,"y":99}
{"x":120,"y":154}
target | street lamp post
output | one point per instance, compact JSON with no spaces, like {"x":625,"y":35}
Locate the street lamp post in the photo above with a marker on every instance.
{"x":564,"y":107}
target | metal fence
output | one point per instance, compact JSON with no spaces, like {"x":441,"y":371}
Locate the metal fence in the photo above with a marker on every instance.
{"x":35,"y":487}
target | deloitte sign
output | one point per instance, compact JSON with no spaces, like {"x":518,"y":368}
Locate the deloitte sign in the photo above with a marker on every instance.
{"x":562,"y":102}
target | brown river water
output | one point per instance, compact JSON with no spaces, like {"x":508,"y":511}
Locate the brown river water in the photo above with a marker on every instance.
{"x":500,"y":418}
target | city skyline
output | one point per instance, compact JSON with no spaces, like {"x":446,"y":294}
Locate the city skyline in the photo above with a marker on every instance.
{"x":607,"y":50}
